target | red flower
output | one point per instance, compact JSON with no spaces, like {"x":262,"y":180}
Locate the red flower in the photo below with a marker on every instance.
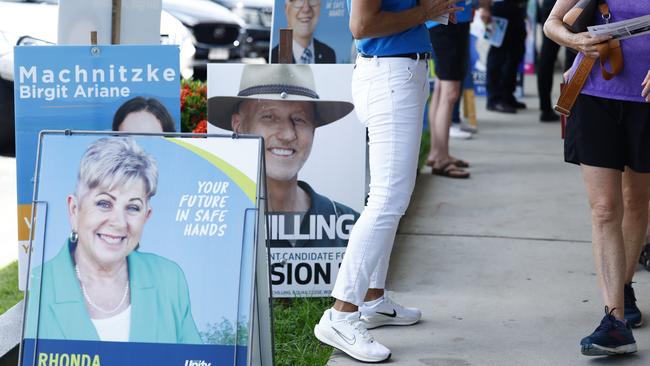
{"x":201,"y":127}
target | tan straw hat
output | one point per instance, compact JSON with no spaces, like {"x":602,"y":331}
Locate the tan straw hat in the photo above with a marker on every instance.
{"x":288,"y":82}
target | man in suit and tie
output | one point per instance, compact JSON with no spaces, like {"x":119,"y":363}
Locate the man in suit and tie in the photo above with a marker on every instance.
{"x":302,"y":17}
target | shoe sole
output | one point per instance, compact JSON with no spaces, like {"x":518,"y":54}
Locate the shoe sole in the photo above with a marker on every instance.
{"x":387,"y":322}
{"x":461,"y":137}
{"x":596,"y":350}
{"x":325,"y":339}
{"x":637,"y":325}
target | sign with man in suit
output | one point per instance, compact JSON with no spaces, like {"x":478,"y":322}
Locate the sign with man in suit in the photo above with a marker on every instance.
{"x":320,"y":31}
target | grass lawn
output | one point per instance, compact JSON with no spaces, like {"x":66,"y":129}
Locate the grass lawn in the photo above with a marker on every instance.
{"x":425,"y":145}
{"x":295,"y":344}
{"x":9,"y":293}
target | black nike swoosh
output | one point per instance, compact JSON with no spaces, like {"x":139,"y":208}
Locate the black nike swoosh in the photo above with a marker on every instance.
{"x":394,"y":314}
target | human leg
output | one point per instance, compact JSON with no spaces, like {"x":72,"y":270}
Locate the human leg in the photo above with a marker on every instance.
{"x":440,"y":120}
{"x":647,"y":233}
{"x":496,"y":58}
{"x":545,"y":70}
{"x":451,"y":52}
{"x":516,"y":43}
{"x":434,"y":101}
{"x":392,"y":110}
{"x":606,"y":201}
{"x":636,"y":192}
{"x":604,"y":190}
{"x":389,"y":96}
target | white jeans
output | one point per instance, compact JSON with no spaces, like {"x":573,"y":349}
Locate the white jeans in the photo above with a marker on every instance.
{"x":389,"y":95}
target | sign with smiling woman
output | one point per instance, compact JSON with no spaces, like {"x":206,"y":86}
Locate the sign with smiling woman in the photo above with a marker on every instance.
{"x":145,"y":251}
{"x":99,"y":88}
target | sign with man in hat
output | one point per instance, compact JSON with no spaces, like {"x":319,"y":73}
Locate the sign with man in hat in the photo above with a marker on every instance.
{"x":315,"y":162}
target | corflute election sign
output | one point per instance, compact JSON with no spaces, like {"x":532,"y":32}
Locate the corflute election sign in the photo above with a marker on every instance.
{"x":143,"y":251}
{"x":91,"y":88}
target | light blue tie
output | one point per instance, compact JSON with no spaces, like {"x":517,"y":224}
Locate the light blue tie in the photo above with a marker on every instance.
{"x":306,"y":56}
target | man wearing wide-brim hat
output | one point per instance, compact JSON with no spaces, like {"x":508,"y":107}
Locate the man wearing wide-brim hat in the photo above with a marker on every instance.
{"x":280,"y":103}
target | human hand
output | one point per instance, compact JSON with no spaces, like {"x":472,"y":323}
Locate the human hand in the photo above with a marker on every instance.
{"x":646,"y":87}
{"x":485,"y":14}
{"x":587,"y":44}
{"x":452,"y":18}
{"x":436,"y":8}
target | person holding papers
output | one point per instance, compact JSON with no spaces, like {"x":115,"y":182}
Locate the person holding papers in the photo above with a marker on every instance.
{"x":503,"y":61}
{"x":100,"y":287}
{"x":451,"y":54}
{"x":389,"y":89}
{"x":607,"y":135}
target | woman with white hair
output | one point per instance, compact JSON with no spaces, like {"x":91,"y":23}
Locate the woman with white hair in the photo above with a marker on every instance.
{"x":100,"y":286}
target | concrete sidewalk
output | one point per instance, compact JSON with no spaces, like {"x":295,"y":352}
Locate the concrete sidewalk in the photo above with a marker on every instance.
{"x":501,"y":264}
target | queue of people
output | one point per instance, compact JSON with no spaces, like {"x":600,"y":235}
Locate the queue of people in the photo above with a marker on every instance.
{"x":606,"y":135}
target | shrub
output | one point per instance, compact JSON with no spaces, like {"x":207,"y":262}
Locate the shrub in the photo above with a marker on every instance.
{"x":194,"y":106}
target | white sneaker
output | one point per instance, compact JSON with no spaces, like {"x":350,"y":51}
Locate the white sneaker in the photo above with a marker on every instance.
{"x":350,"y":336}
{"x":456,"y":133}
{"x":388,"y":312}
{"x":466,"y":127}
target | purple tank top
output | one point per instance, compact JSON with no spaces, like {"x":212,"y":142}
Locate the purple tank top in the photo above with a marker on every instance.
{"x":636,"y":57}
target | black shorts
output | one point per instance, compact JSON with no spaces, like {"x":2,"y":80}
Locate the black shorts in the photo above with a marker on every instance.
{"x":450,"y":50}
{"x":608,"y":133}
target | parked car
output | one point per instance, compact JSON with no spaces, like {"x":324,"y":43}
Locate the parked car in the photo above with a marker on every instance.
{"x":258,"y":15}
{"x":34,"y":22}
{"x":218,"y":33}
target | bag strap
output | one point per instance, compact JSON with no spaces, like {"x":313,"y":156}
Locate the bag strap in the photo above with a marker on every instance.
{"x":607,"y":51}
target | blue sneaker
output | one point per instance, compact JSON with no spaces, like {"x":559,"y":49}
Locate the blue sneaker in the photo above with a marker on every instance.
{"x":612,"y":337}
{"x":632,"y":312}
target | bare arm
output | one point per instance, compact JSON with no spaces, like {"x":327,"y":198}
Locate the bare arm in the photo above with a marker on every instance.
{"x":368,"y":20}
{"x":555,"y":30}
{"x":646,"y":87}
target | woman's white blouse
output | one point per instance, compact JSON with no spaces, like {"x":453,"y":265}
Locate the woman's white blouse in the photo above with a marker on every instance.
{"x":115,"y":328}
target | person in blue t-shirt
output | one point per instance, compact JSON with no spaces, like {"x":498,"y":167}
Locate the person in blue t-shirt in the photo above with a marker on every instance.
{"x":389,"y":90}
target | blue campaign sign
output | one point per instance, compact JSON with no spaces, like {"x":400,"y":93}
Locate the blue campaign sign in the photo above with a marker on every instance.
{"x":319,"y":25}
{"x":127,"y":88}
{"x":144,"y":251}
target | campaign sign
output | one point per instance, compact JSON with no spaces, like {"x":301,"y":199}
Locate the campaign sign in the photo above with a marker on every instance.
{"x":127,"y":88}
{"x":143,"y":251}
{"x":319,"y":26}
{"x":531,"y":37}
{"x":480,"y":42}
{"x":315,"y":154}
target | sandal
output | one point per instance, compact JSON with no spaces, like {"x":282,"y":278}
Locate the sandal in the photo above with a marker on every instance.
{"x":450,"y":170}
{"x":457,"y":162}
{"x":461,"y":163}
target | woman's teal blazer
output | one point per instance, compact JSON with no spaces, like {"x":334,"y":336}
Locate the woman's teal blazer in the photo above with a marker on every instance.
{"x":160,"y":302}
